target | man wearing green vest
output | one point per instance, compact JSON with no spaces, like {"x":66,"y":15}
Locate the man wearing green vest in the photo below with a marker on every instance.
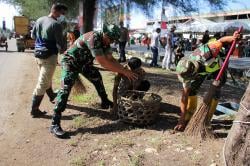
{"x":203,"y":63}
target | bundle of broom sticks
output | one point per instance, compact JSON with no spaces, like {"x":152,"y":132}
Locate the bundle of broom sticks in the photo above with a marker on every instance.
{"x":198,"y":126}
{"x":79,"y":87}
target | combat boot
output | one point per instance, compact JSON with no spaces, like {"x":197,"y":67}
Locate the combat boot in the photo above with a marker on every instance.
{"x":191,"y":107}
{"x":212,"y":109}
{"x":35,"y":111}
{"x":51,"y":94}
{"x":55,"y":127}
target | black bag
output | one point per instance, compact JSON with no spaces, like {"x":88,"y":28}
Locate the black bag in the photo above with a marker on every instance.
{"x":43,"y":53}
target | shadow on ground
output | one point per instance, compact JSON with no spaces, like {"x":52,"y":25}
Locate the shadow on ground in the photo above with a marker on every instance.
{"x":165,"y":121}
{"x":7,"y":52}
{"x":64,"y":117}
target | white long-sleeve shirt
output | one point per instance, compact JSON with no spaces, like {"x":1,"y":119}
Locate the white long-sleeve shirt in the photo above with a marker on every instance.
{"x":155,"y":41}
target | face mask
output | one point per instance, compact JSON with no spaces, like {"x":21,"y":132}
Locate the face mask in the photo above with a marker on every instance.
{"x":61,"y":19}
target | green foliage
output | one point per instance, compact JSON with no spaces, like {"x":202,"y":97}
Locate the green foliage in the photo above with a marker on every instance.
{"x":182,"y":5}
{"x":30,"y":8}
{"x":37,"y":8}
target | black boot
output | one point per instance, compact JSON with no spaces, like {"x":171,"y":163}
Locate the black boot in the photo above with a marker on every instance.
{"x":106,"y":103}
{"x":51,"y":94}
{"x":55,"y":127}
{"x":35,"y":111}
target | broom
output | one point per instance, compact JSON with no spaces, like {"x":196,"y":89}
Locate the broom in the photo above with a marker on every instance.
{"x":197,"y":127}
{"x":78,"y":87}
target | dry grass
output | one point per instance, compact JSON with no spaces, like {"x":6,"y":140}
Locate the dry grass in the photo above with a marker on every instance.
{"x":118,"y":142}
{"x":104,"y":143}
{"x":78,"y":161}
{"x":89,"y":95}
{"x":137,"y":159}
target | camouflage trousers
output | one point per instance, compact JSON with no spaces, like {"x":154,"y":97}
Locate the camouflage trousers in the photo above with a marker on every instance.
{"x":69,"y":75}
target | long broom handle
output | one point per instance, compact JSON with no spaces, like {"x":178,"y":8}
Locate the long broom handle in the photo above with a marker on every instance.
{"x":227,"y":57}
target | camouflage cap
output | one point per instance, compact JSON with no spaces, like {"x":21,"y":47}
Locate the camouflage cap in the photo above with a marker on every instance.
{"x":113,"y":31}
{"x":186,"y":69}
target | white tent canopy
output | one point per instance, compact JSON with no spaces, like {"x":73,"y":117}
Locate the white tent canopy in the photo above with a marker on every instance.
{"x":230,"y":26}
{"x":196,"y":25}
{"x":201,"y":25}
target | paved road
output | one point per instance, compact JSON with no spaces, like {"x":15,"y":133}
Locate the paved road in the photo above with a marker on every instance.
{"x":23,"y":140}
{"x":13,"y":66}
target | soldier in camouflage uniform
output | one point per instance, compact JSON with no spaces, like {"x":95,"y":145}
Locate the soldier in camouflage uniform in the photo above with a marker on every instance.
{"x":205,"y":62}
{"x":79,"y":59}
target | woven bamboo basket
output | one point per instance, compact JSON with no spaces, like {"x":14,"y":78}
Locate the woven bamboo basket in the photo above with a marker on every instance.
{"x":137,"y":107}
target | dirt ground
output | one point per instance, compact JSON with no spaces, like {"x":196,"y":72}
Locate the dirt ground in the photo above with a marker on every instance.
{"x":95,"y":138}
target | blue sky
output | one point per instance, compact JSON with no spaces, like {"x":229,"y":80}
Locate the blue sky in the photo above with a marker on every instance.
{"x":7,"y":13}
{"x":232,"y":5}
{"x":138,"y":19}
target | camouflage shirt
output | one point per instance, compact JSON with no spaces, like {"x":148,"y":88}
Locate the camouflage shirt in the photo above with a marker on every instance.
{"x":208,"y":57}
{"x":87,"y":47}
{"x":206,"y":52}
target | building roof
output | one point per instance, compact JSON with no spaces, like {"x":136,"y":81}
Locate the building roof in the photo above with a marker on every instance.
{"x":216,"y":14}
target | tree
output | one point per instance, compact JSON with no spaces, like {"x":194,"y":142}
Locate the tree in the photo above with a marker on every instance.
{"x":237,"y":146}
{"x":87,"y":10}
{"x":37,"y":8}
{"x":34,"y":9}
{"x":145,"y":5}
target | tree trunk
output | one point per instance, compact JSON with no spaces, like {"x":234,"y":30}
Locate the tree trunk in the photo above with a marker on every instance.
{"x":87,"y":13}
{"x":237,"y":146}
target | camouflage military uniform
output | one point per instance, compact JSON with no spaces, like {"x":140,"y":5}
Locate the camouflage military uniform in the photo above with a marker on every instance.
{"x":208,"y":61}
{"x":79,"y":59}
{"x":203,"y":63}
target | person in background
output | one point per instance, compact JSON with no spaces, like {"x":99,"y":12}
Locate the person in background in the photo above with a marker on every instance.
{"x":155,"y":47}
{"x":70,"y":38}
{"x":124,"y":38}
{"x":63,"y":21}
{"x":146,"y":41}
{"x":48,"y":35}
{"x":179,"y":51}
{"x":167,"y":60}
{"x":216,"y":36}
{"x":73,"y":35}
{"x":205,"y":37}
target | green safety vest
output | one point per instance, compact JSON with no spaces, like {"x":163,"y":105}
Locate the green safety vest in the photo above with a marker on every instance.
{"x":215,"y":66}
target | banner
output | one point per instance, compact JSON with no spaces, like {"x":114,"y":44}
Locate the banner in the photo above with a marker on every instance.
{"x":112,"y":15}
{"x":163,"y":20}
